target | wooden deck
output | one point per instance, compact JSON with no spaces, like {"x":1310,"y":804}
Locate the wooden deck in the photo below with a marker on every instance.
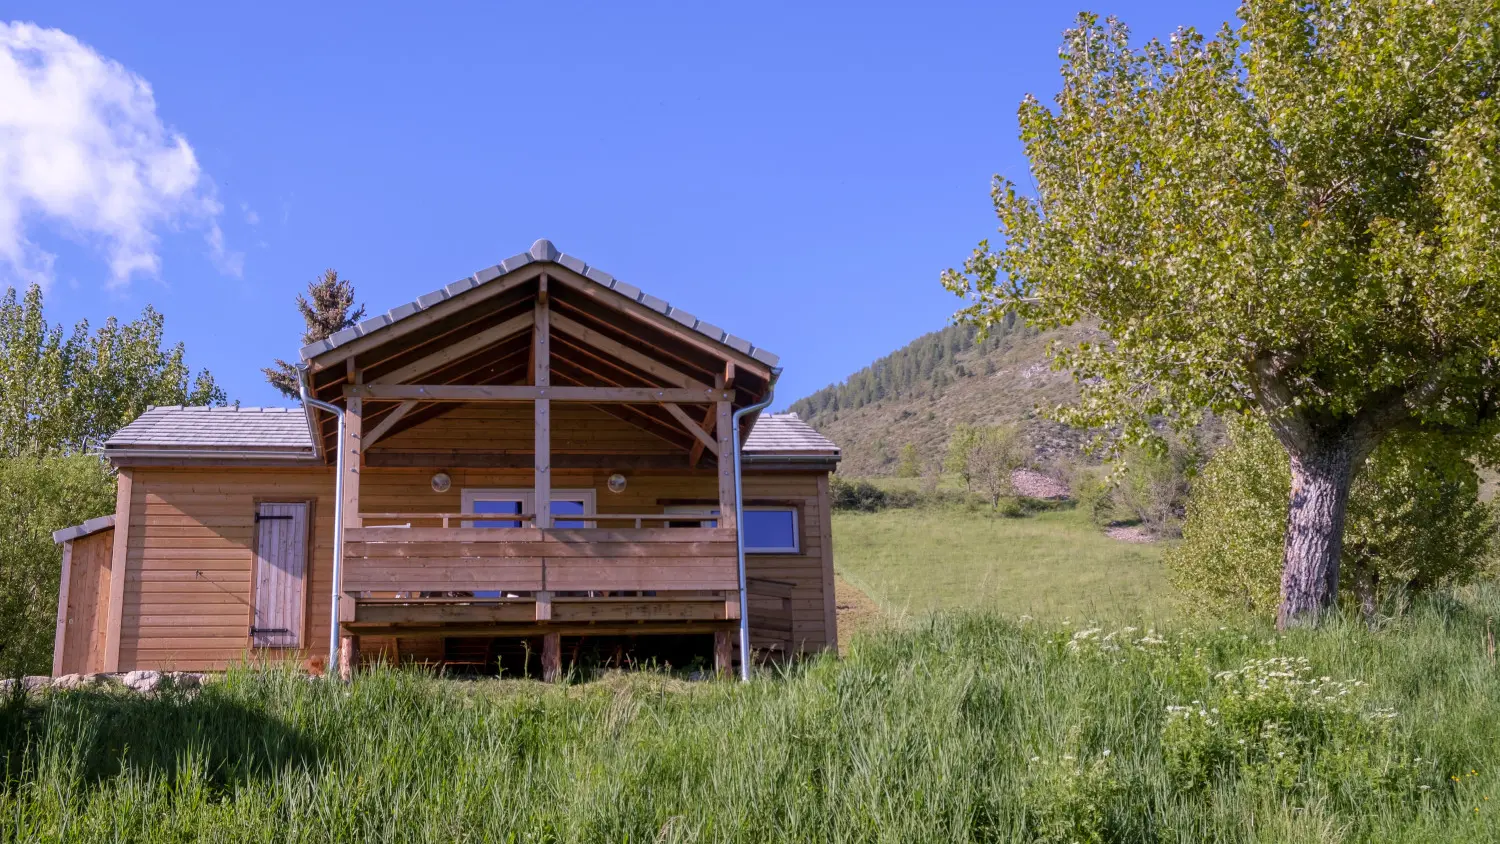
{"x":516,"y":560}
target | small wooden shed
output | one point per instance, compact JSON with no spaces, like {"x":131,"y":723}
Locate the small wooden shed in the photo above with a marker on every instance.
{"x":83,"y":605}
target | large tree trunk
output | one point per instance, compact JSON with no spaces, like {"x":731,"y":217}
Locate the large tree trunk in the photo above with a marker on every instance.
{"x":1321,"y":476}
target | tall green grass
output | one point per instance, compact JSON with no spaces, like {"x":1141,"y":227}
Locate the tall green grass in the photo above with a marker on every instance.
{"x":968,"y":727}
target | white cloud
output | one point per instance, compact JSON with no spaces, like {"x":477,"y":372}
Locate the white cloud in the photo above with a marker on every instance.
{"x":251,"y":217}
{"x":82,"y":149}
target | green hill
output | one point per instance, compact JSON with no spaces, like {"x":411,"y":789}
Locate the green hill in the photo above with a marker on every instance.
{"x":918,"y":393}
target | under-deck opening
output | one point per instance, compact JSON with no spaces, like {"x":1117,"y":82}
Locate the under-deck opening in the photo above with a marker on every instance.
{"x":521,"y":656}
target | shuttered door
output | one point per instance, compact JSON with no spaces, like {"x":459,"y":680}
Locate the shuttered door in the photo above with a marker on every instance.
{"x":280,"y":575}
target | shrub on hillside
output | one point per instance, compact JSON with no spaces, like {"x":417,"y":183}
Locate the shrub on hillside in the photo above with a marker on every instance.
{"x":1415,"y":522}
{"x":865,"y":497}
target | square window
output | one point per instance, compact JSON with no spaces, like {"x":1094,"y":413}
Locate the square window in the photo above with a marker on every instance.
{"x":771,"y":530}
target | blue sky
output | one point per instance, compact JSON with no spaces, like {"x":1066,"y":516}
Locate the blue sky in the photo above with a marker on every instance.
{"x":797,"y":173}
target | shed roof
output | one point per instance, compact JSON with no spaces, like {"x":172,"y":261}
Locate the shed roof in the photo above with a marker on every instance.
{"x":92,"y":526}
{"x":542,"y":250}
{"x":282,"y":431}
{"x":787,"y":434}
{"x":254,"y":430}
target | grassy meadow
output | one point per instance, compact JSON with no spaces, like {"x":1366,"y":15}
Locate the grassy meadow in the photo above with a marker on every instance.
{"x":1054,"y":564}
{"x":964,"y":727}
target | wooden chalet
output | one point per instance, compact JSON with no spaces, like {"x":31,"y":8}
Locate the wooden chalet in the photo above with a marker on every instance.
{"x":532,"y":467}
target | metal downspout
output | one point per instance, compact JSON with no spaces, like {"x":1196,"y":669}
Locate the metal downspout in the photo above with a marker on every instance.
{"x":739,"y":521}
{"x":338,"y":518}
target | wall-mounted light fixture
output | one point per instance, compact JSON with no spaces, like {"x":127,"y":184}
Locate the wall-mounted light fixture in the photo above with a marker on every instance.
{"x":441,"y":482}
{"x":616,"y":483}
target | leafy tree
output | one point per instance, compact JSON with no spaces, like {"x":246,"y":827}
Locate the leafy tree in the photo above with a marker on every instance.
{"x":40,"y":494}
{"x":986,"y":457}
{"x":1154,"y":486}
{"x":997,"y":452}
{"x":327,"y":308}
{"x":67,"y":393}
{"x":961,"y":444}
{"x":909,"y":466}
{"x":1294,"y":220}
{"x":1415,"y":522}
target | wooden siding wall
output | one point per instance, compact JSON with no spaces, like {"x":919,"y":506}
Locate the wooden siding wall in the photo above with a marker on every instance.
{"x":190,"y":549}
{"x":813,"y":623}
{"x":87,"y":608}
{"x":190,"y":559}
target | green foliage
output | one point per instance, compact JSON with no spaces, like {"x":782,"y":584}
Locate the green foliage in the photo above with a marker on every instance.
{"x":327,"y":308}
{"x":910,"y":465}
{"x":39,"y":495}
{"x":865,"y":497}
{"x":1153,"y":488}
{"x":985,"y":457}
{"x":1296,"y":216}
{"x":1274,"y":727}
{"x":1294,"y":219}
{"x":68,"y":393}
{"x":962,"y":728}
{"x":1415,"y":522}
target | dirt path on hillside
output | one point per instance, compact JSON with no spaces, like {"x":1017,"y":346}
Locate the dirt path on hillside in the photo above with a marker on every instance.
{"x":857,"y":612}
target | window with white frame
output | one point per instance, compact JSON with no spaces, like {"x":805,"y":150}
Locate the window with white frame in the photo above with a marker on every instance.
{"x":767,"y":529}
{"x":569,"y":506}
{"x":771,"y":530}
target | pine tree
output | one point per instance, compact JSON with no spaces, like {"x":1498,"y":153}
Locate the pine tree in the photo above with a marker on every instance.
{"x":328,"y":308}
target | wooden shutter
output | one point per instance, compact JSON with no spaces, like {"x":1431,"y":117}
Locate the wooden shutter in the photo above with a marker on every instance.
{"x":280,"y":575}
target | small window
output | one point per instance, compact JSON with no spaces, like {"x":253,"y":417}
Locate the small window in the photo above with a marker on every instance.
{"x":568,"y":505}
{"x":498,"y":506}
{"x":771,"y":530}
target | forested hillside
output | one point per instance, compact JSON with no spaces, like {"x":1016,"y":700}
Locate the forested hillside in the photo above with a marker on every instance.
{"x":917,"y":394}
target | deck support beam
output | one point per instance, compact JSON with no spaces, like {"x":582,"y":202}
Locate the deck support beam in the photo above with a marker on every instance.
{"x":551,"y":657}
{"x":541,"y":377}
{"x":723,"y":653}
{"x":724,"y":429}
{"x":352,"y":451}
{"x":348,"y":657}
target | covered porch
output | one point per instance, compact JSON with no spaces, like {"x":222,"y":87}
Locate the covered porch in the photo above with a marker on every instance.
{"x":541,"y":376}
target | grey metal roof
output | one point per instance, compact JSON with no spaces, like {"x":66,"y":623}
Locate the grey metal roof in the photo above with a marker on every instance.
{"x":80,"y":531}
{"x":284,"y":430}
{"x":542,"y":250}
{"x":276,"y":429}
{"x":787,"y":434}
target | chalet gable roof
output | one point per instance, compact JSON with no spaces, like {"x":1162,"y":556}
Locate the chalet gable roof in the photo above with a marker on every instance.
{"x":261,"y":433}
{"x":542,"y":250}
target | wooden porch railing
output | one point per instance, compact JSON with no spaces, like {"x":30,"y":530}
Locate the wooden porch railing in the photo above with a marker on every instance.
{"x":419,"y":559}
{"x":528,"y":519}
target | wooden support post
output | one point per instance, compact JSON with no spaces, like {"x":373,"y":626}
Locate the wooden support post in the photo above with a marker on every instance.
{"x":541,"y":345}
{"x":117,"y":572}
{"x":724,"y":429}
{"x":724,"y":653}
{"x":551,"y":657}
{"x":544,"y":606}
{"x":62,"y":609}
{"x":348,"y":657}
{"x":353,"y":411}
